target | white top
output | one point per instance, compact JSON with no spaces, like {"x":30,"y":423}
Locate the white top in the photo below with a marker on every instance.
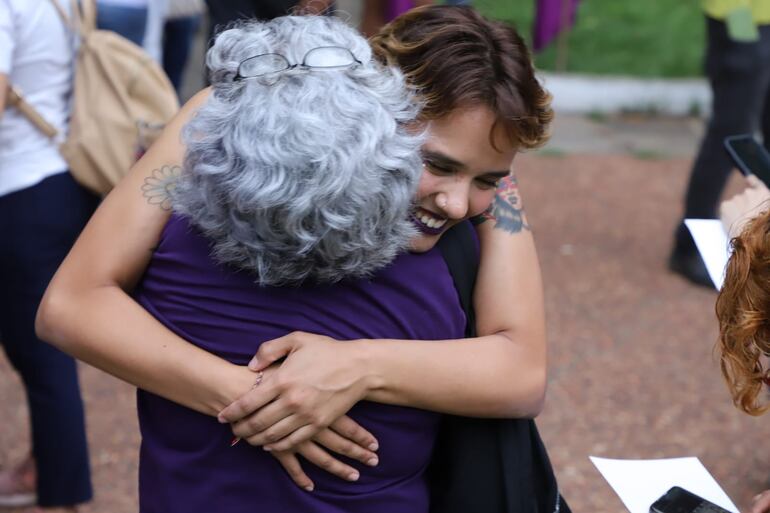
{"x":36,"y":52}
{"x":153,"y":36}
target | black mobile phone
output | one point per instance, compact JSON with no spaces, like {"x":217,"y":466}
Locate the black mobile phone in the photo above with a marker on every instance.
{"x":751,"y":157}
{"x":679,"y":500}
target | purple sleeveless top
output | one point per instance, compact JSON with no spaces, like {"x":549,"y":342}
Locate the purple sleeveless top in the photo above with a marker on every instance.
{"x":186,"y":462}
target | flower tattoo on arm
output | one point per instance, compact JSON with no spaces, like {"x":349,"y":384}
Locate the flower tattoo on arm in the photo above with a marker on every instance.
{"x":506,"y":209}
{"x":157,"y":187}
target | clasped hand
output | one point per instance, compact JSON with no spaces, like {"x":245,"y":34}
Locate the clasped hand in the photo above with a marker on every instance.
{"x":297,"y":404}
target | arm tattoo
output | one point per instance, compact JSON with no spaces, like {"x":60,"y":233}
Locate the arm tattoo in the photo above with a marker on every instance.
{"x":157,"y":187}
{"x":506,"y":209}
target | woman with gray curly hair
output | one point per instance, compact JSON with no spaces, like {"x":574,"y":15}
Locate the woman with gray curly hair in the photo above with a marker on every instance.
{"x":303,"y":173}
{"x":276,"y":184}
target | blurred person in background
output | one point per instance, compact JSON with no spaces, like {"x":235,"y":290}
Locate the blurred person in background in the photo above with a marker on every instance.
{"x":737,"y":65}
{"x":139,"y":21}
{"x":153,"y":36}
{"x":183,"y":19}
{"x":42,"y":210}
{"x":224,"y":12}
{"x":126,"y":17}
{"x":743,"y":305}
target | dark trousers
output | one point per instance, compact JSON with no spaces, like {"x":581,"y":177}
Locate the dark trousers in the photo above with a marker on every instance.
{"x":178,"y":35}
{"x":38,"y":225}
{"x":129,"y":22}
{"x":739,"y":75}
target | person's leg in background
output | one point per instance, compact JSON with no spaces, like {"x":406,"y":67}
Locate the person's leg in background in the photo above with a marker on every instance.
{"x":130,"y":22}
{"x":39,"y":225}
{"x":183,"y":20}
{"x":153,"y":36}
{"x":178,"y":35}
{"x":739,"y":75}
{"x":766,"y":120}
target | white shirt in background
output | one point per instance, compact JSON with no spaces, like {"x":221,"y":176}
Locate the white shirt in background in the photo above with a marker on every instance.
{"x":36,"y":52}
{"x":153,"y":36}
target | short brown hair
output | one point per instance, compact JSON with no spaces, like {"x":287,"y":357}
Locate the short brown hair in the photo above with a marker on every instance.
{"x":456,"y":58}
{"x":743,"y":311}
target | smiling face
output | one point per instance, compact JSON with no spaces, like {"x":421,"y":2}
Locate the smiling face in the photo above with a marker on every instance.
{"x":461,"y":170}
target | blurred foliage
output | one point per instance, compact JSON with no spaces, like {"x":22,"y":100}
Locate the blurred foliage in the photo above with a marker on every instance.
{"x":647,"y":38}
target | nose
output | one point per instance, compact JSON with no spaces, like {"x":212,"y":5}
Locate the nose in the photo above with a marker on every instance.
{"x":453,"y":200}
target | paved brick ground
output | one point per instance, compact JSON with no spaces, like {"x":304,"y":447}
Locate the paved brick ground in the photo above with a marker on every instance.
{"x":632,"y":370}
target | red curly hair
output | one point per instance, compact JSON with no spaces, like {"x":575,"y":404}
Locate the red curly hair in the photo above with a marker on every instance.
{"x":743,"y":311}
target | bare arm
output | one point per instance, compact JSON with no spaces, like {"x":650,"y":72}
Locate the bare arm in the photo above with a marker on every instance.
{"x":88,"y":313}
{"x":87,"y":310}
{"x":500,"y":373}
{"x":3,"y":92}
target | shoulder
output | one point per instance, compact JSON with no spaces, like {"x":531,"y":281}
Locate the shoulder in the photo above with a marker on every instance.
{"x":169,"y":149}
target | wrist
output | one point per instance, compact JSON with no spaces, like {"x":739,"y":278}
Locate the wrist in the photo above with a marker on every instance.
{"x":234,"y":381}
{"x":366,"y":360}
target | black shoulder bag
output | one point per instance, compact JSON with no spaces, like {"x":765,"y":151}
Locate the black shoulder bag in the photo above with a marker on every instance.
{"x":487,"y":465}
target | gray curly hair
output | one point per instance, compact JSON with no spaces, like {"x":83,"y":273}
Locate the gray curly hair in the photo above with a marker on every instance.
{"x":305,"y":174}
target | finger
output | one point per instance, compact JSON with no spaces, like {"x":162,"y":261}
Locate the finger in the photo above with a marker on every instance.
{"x":761,"y":503}
{"x":279,"y":433}
{"x":273,"y":350}
{"x":322,"y":459}
{"x":261,"y":420}
{"x":290,"y":463}
{"x":352,"y":430}
{"x":294,"y":439}
{"x":248,"y":403}
{"x":754,"y":181}
{"x":344,"y":446}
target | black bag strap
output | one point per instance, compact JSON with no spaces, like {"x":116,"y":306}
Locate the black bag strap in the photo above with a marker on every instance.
{"x":459,"y":248}
{"x":516,"y":476}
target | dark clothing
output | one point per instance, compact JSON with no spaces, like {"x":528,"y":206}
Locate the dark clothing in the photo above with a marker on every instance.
{"x":487,"y":465}
{"x":739,"y":75}
{"x":223,"y":12}
{"x":38,"y":225}
{"x":178,"y":35}
{"x":129,"y":22}
{"x":187,"y":464}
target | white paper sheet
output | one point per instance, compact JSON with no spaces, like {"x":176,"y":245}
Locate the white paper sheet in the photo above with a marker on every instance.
{"x":713,"y":246}
{"x":639,"y":483}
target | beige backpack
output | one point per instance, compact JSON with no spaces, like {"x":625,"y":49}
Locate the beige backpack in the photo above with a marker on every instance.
{"x":121,"y":101}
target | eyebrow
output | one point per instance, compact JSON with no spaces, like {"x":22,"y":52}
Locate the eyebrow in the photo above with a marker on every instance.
{"x":442,"y":160}
{"x":446,"y":161}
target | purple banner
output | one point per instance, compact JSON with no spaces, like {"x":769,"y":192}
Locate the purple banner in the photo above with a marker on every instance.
{"x":397,"y":7}
{"x":550,"y":20}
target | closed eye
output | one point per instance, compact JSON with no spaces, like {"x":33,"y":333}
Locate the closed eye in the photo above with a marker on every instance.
{"x":488,"y":183}
{"x":435,"y":169}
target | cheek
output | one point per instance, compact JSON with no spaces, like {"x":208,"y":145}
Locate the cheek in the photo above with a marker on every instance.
{"x":426,"y":187}
{"x":481,"y":200}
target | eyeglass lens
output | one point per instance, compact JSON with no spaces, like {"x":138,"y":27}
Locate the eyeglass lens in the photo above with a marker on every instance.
{"x":328,"y":57}
{"x":263,"y":65}
{"x":321,"y":57}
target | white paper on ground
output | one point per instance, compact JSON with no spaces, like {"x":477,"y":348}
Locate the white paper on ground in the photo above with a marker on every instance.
{"x":713,"y":246}
{"x":639,"y":483}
